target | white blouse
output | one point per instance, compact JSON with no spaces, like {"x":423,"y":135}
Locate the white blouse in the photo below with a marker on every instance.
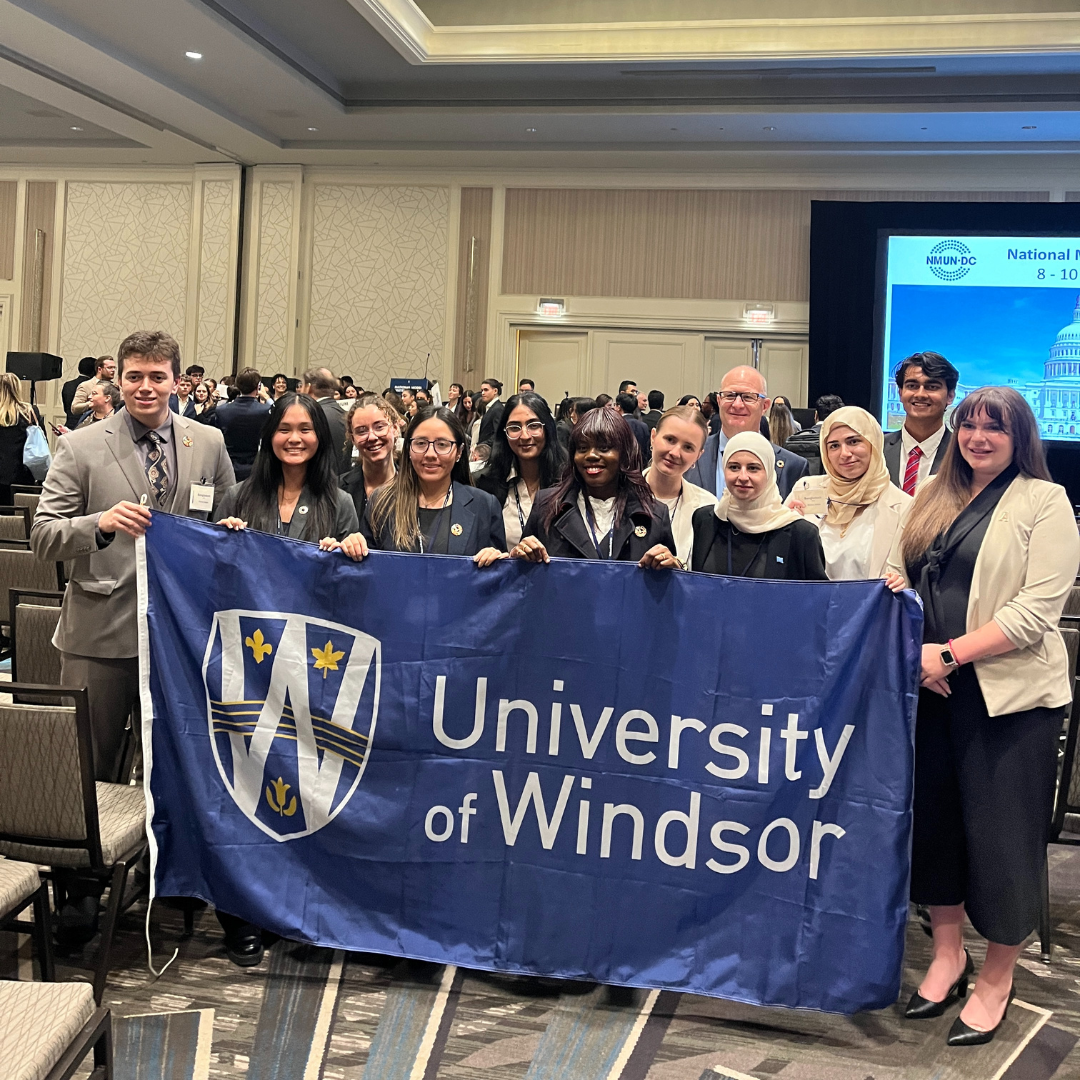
{"x":516,"y":509}
{"x":603,"y":512}
{"x":847,"y":557}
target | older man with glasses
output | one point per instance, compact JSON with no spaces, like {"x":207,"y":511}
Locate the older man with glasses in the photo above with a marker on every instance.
{"x":743,"y":399}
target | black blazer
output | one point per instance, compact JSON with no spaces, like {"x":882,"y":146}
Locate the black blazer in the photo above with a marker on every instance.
{"x":568,"y":537}
{"x":789,"y":468}
{"x":344,"y":523}
{"x":641,"y":434}
{"x":489,"y":423}
{"x":352,"y":482}
{"x":241,"y":422}
{"x":475,"y":511}
{"x":336,"y":417}
{"x":790,"y":553}
{"x":893,"y":449}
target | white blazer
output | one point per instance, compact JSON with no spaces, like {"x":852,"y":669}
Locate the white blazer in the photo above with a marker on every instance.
{"x":1025,"y":568}
{"x":892,"y":511}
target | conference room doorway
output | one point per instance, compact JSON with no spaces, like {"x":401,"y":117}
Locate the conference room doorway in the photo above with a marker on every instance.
{"x":577,"y":361}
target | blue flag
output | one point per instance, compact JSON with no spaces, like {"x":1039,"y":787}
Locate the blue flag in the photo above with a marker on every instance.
{"x":582,"y":769}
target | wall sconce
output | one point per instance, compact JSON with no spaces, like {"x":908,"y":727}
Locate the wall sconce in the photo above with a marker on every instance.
{"x":551,"y":308}
{"x":758,"y":314}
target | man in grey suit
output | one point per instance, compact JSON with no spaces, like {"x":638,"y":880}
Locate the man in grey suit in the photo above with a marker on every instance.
{"x":927,"y":384}
{"x":743,"y":400}
{"x":104,"y":482}
{"x":320,"y":384}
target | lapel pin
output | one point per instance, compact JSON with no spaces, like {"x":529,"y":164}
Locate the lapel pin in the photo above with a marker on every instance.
{"x":779,"y":464}
{"x":456,"y":529}
{"x":188,"y":441}
{"x":301,"y":509}
{"x":640,"y":531}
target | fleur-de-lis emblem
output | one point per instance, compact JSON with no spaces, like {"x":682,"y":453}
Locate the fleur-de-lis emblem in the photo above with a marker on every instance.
{"x":260,"y":649}
{"x":276,"y":794}
{"x":326,"y":658}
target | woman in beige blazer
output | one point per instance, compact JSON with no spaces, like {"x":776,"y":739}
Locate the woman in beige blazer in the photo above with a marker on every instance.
{"x":864,"y":510}
{"x":992,"y":548}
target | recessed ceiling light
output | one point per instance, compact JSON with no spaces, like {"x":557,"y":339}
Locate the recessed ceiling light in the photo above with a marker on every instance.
{"x":1029,"y":127}
{"x":75,"y":128}
{"x":313,"y":129}
{"x":193,"y":55}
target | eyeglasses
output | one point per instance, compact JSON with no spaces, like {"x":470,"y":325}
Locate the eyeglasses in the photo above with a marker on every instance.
{"x":379,"y":428}
{"x":442,"y":447}
{"x":747,"y":399}
{"x":534,"y":429}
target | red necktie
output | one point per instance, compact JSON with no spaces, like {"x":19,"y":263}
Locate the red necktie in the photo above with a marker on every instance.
{"x":911,"y":473}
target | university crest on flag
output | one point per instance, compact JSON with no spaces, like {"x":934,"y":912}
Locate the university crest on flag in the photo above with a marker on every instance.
{"x":291,"y":703}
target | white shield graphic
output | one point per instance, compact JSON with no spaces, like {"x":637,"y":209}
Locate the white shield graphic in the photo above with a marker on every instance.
{"x":268,"y":698}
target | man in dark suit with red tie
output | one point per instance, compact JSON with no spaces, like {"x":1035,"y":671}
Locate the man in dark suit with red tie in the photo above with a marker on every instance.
{"x":927,"y":384}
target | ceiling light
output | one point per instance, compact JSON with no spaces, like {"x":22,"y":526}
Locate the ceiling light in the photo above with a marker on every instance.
{"x":74,"y":128}
{"x":312,"y":129}
{"x":193,"y":55}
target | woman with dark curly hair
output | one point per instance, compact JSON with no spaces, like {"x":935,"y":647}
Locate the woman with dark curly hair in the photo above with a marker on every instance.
{"x":525,"y":458}
{"x":602,"y":508}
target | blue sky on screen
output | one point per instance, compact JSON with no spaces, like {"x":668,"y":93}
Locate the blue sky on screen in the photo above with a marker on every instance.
{"x":991,"y":334}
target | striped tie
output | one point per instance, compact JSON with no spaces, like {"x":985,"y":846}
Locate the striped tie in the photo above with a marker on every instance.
{"x":911,"y":473}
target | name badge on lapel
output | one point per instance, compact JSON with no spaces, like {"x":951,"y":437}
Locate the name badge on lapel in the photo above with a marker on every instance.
{"x":202,"y":497}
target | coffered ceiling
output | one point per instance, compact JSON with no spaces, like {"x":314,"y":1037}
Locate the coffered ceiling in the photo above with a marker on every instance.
{"x":531,"y":83}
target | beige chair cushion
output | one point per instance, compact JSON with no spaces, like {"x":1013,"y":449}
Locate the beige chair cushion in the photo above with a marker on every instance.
{"x":122,"y":821}
{"x":18,"y":882}
{"x":38,"y":1022}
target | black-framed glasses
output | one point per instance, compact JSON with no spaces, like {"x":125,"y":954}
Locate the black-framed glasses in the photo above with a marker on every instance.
{"x":534,"y":429}
{"x":747,"y":398}
{"x":442,"y":447}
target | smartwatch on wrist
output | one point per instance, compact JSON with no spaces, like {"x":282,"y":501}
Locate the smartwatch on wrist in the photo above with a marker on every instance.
{"x":948,"y":659}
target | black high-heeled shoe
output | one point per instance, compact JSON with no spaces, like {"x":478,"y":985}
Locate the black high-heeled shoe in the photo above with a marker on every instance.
{"x":919,"y":1008}
{"x":961,"y":1034}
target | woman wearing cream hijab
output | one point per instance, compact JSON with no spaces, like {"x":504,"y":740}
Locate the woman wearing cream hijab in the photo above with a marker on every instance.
{"x":864,"y":511}
{"x":750,"y":533}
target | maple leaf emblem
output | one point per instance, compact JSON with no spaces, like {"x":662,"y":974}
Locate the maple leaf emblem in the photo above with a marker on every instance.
{"x":260,"y":648}
{"x":326,"y":658}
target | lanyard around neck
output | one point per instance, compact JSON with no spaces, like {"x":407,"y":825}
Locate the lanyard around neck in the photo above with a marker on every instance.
{"x":590,"y":520}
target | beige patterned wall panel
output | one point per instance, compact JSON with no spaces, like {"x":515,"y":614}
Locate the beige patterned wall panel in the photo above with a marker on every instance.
{"x":9,"y":197}
{"x":378,"y":280}
{"x":214,"y":273}
{"x":277,"y":208}
{"x":689,"y":244}
{"x":125,"y":264}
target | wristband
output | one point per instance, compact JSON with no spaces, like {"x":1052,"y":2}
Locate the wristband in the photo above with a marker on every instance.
{"x":952,"y":649}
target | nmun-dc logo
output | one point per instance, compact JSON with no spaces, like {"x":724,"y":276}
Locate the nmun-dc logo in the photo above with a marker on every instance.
{"x":950,"y":260}
{"x":292,"y":704}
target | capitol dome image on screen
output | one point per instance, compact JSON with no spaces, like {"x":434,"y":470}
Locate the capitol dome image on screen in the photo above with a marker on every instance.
{"x":1055,"y":399}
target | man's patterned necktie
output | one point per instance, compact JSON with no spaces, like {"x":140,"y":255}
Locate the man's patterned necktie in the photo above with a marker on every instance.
{"x":156,"y":470}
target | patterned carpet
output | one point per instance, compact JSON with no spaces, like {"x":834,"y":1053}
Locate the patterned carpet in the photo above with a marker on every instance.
{"x":309,"y":1013}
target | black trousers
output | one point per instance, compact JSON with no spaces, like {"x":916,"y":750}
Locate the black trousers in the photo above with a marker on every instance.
{"x":984,"y":789}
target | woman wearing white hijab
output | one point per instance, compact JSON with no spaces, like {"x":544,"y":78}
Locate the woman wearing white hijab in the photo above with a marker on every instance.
{"x":750,"y":532}
{"x":864,"y":512}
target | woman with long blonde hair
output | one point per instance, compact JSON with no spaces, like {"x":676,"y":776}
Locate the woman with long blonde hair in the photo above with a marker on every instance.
{"x":16,"y":416}
{"x":991,"y":547}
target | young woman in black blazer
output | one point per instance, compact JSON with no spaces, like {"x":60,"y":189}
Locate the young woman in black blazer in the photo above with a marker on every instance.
{"x":602,"y":508}
{"x":292,"y":490}
{"x":526,"y":458}
{"x":430,"y":506}
{"x":749,"y":532}
{"x":372,"y":427}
